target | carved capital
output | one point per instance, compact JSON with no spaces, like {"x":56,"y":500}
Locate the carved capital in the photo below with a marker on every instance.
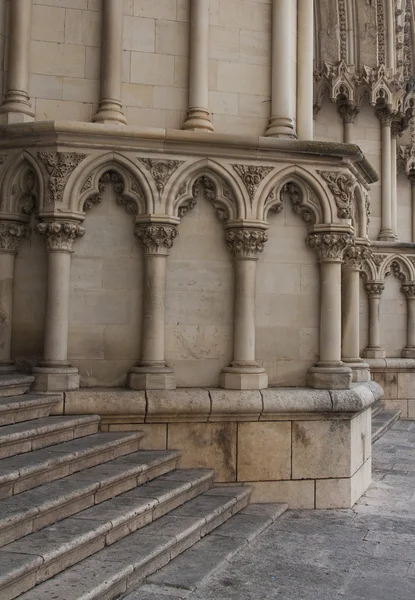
{"x":156,"y":239}
{"x":354,"y":256}
{"x":348,"y":112}
{"x":60,"y":236}
{"x":330,"y":246}
{"x":408,"y":290}
{"x":10,"y":235}
{"x":374,"y":290}
{"x":385,"y":116}
{"x":342,"y":187}
{"x":246,"y":243}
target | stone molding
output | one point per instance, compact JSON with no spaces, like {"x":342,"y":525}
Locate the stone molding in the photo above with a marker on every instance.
{"x":330,"y":246}
{"x":60,"y":236}
{"x":374,"y":289}
{"x":10,"y":235}
{"x":342,"y":186}
{"x":156,"y":239}
{"x":59,"y":166}
{"x":246,"y":243}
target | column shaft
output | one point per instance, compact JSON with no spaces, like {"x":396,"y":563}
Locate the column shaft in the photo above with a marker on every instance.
{"x":350,"y":324}
{"x":409,"y":291}
{"x":305,"y":67}
{"x":152,"y":353}
{"x":386,"y":232}
{"x":198,"y":116}
{"x":6,"y":307}
{"x":17,"y":107}
{"x":57,"y":309}
{"x":330,"y":313}
{"x":412,"y":180}
{"x":394,"y":183}
{"x":374,"y":349}
{"x":244,"y":324}
{"x":284,"y":69}
{"x":110,"y":109}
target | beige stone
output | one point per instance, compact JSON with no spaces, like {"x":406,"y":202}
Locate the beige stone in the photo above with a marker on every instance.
{"x":264,"y":451}
{"x":188,"y":404}
{"x":297,"y":494}
{"x":343,"y":493}
{"x":106,"y":402}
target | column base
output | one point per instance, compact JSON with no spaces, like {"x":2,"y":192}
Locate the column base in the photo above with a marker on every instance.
{"x":151,"y":378}
{"x":360,"y":370}
{"x":374,"y":352}
{"x":281,"y":127}
{"x":55,"y":379}
{"x":110,"y":111}
{"x":198,"y":119}
{"x":386,"y":235}
{"x":239,"y":378}
{"x":329,"y":378}
{"x":408,"y":353}
{"x":16,"y":108}
{"x":6,"y":368}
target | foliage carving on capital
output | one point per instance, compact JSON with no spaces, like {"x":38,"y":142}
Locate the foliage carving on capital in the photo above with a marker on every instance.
{"x":10,"y":235}
{"x":348,"y":111}
{"x":374,"y":289}
{"x":156,"y":239}
{"x":354,"y":256}
{"x":385,"y":115}
{"x":408,"y":290}
{"x":60,"y":236}
{"x":246,"y":243}
{"x":252,"y":177}
{"x":160,"y":170}
{"x":59,"y":166}
{"x":342,"y":186}
{"x":330,"y":246}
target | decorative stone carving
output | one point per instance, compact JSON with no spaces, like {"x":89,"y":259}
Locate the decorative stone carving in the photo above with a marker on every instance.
{"x":343,"y":29}
{"x":3,"y":158}
{"x":10,"y":235}
{"x":112,"y":177}
{"x":156,"y":239}
{"x":374,"y":289}
{"x":398,"y":270}
{"x":354,"y":256}
{"x":246,"y":243}
{"x":342,"y":186}
{"x":347,"y":111}
{"x":87,"y":185}
{"x":274,"y":202}
{"x":24,"y":192}
{"x":210,"y":189}
{"x":60,"y":236}
{"x":59,"y":165}
{"x":252,"y":176}
{"x":385,"y":116}
{"x":161,"y":170}
{"x":378,"y":258}
{"x":380,"y":16}
{"x":408,"y":290}
{"x":296,"y":199}
{"x":330,"y":246}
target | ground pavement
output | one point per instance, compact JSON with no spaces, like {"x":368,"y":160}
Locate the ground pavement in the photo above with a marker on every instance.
{"x":367,"y":553}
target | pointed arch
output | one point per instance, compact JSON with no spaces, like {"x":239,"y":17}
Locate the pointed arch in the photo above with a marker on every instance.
{"x":226,"y":194}
{"x":87,"y":180}
{"x":23,"y":185}
{"x":400,"y":266}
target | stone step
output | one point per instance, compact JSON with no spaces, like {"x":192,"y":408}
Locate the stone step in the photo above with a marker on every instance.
{"x":377,"y":407}
{"x":32,"y":469}
{"x":14,"y":409}
{"x":382,"y":422}
{"x":14,"y":384}
{"x":46,"y":431}
{"x":114,"y":570}
{"x":37,"y":508}
{"x":68,"y":542}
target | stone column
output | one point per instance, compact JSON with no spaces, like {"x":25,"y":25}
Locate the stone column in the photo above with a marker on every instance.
{"x":411,"y":177}
{"x":110,"y":108}
{"x":244,"y":373}
{"x":385,"y":117}
{"x":396,"y":129}
{"x":409,"y":290}
{"x":55,"y":372}
{"x":152,"y":373}
{"x":348,"y":112}
{"x":353,"y":258}
{"x":17,"y":107}
{"x":330,"y":372}
{"x":10,"y":236}
{"x":198,"y":115}
{"x":305,"y":69}
{"x":374,"y":291}
{"x":283,"y":67}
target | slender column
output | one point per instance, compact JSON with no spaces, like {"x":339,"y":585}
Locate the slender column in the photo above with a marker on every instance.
{"x":409,"y":290}
{"x":374,"y":291}
{"x":17,"y":107}
{"x":396,"y":129}
{"x":283,"y":100}
{"x":55,"y":371}
{"x":10,"y":235}
{"x":330,"y":372}
{"x":390,"y":35}
{"x":110,"y":108}
{"x":353,"y":258}
{"x":152,"y":372}
{"x":348,"y":112}
{"x":411,"y":177}
{"x":198,"y":115}
{"x":385,"y":117}
{"x":244,"y":372}
{"x":305,"y":68}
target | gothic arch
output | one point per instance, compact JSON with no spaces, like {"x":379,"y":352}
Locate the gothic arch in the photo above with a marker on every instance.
{"x":22,"y":188}
{"x":400,"y":266}
{"x":133,"y":189}
{"x":315,"y":200}
{"x":226,"y":194}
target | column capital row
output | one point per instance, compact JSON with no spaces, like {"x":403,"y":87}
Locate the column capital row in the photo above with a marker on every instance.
{"x":60,"y":235}
{"x":374,"y":289}
{"x":156,"y":239}
{"x":246,"y":243}
{"x":330,"y":246}
{"x":11,"y":233}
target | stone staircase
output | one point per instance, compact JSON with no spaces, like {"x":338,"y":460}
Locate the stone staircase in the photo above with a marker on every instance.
{"x":87,"y":514}
{"x":382,"y":420}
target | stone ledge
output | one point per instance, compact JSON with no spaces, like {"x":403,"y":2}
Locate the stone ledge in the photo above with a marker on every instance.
{"x":391,"y":364}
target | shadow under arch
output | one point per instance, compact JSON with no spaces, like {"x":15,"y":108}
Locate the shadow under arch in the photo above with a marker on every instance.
{"x":18,"y":182}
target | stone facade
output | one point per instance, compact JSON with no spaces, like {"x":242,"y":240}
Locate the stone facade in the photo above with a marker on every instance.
{"x":172,"y":215}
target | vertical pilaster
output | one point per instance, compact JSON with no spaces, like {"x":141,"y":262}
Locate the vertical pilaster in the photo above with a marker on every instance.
{"x":55,"y":372}
{"x":244,"y":372}
{"x":282,"y":122}
{"x":374,"y":291}
{"x":330,"y":372}
{"x":396,"y":129}
{"x":17,"y":107}
{"x":409,"y":292}
{"x":305,"y":68}
{"x":152,"y":373}
{"x":385,"y":117}
{"x":110,"y":108}
{"x":198,"y":115}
